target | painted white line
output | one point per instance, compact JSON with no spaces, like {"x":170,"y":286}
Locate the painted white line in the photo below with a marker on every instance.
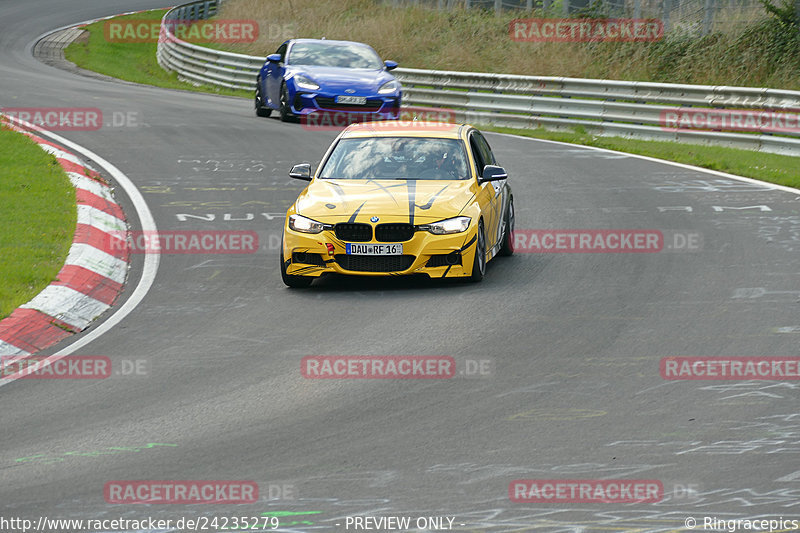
{"x":68,"y":305}
{"x":151,"y":260}
{"x":98,"y":261}
{"x":765,"y":184}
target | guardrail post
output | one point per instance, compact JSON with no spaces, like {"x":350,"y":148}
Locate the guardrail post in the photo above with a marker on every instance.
{"x":498,"y":6}
{"x":708,"y":16}
{"x":665,"y":5}
{"x":637,"y":9}
{"x":565,"y":8}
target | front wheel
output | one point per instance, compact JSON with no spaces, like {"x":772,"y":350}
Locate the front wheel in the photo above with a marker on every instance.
{"x":507,"y":248}
{"x":261,"y":111}
{"x":286,"y":112}
{"x":295,"y":282}
{"x":479,"y":263}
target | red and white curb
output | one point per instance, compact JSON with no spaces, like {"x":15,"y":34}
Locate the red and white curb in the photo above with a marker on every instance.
{"x":92,"y":276}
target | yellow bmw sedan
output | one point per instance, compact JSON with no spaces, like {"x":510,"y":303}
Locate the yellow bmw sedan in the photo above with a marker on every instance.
{"x":393,"y":198}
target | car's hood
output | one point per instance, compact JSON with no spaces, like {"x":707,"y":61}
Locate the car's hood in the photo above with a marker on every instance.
{"x":414,"y":201}
{"x":340,"y":79}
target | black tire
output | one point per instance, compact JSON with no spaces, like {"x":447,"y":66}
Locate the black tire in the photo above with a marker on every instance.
{"x":479,"y":263}
{"x":507,"y":248}
{"x":261,"y":110}
{"x":286,"y":112}
{"x":295,"y":282}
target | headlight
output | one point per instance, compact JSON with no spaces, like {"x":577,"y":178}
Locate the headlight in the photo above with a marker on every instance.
{"x":390,"y":87}
{"x":305,"y":225}
{"x":451,"y":225}
{"x":304,"y":83}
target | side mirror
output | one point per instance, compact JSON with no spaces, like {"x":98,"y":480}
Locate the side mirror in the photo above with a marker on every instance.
{"x":301,"y":172}
{"x":492,"y":173}
{"x":274,"y":58}
{"x":390,"y":65}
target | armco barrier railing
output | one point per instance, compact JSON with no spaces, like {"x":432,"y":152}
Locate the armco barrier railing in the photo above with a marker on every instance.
{"x":601,"y":107}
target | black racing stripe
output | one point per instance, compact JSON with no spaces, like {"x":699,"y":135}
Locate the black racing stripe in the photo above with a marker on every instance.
{"x":412,"y":199}
{"x":353,"y":217}
{"x":447,"y":270}
{"x":432,"y":199}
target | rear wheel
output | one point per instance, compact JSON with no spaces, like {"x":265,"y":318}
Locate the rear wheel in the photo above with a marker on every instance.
{"x":295,"y":282}
{"x":507,"y":248}
{"x":479,"y":263}
{"x":261,"y":109}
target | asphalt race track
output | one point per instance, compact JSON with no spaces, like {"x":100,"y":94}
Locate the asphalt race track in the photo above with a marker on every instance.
{"x":574,"y":340}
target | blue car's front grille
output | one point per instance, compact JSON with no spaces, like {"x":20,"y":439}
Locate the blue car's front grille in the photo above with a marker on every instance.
{"x":325,"y":102}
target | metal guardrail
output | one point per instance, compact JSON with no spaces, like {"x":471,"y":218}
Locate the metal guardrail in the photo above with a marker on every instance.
{"x":601,"y":107}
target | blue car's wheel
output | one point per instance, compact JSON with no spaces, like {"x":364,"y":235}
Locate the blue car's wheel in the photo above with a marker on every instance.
{"x":261,"y":110}
{"x":286,"y":112}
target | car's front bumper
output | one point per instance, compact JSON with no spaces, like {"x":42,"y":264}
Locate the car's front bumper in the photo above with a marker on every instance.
{"x":385,"y":107}
{"x":437,"y":256}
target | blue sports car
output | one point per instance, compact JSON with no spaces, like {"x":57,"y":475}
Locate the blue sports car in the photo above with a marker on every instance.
{"x":316,"y":75}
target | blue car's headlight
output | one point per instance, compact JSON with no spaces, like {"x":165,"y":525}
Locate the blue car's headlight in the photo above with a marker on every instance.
{"x":390,"y":87}
{"x":304,"y":83}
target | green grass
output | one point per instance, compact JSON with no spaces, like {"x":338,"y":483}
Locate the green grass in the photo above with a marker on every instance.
{"x":773,"y":168}
{"x":37,"y":219}
{"x":134,"y":62}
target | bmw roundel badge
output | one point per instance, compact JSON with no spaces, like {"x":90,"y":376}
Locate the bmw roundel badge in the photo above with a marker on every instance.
{"x":374,"y":219}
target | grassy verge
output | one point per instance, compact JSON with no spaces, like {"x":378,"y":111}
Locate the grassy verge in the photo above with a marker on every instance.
{"x":134,"y":62}
{"x":773,"y":168}
{"x":37,"y":220}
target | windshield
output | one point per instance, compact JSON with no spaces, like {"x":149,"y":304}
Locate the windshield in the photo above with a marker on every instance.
{"x":344,"y":55}
{"x":399,"y":158}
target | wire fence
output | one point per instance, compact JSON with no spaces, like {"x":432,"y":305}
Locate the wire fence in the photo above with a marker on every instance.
{"x":698,"y":17}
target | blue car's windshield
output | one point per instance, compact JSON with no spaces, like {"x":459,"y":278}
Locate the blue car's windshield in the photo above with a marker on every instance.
{"x":402,"y":158}
{"x":344,"y":55}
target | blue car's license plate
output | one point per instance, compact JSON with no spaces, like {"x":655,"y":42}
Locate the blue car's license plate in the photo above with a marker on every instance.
{"x":359,"y":100}
{"x":374,"y":249}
